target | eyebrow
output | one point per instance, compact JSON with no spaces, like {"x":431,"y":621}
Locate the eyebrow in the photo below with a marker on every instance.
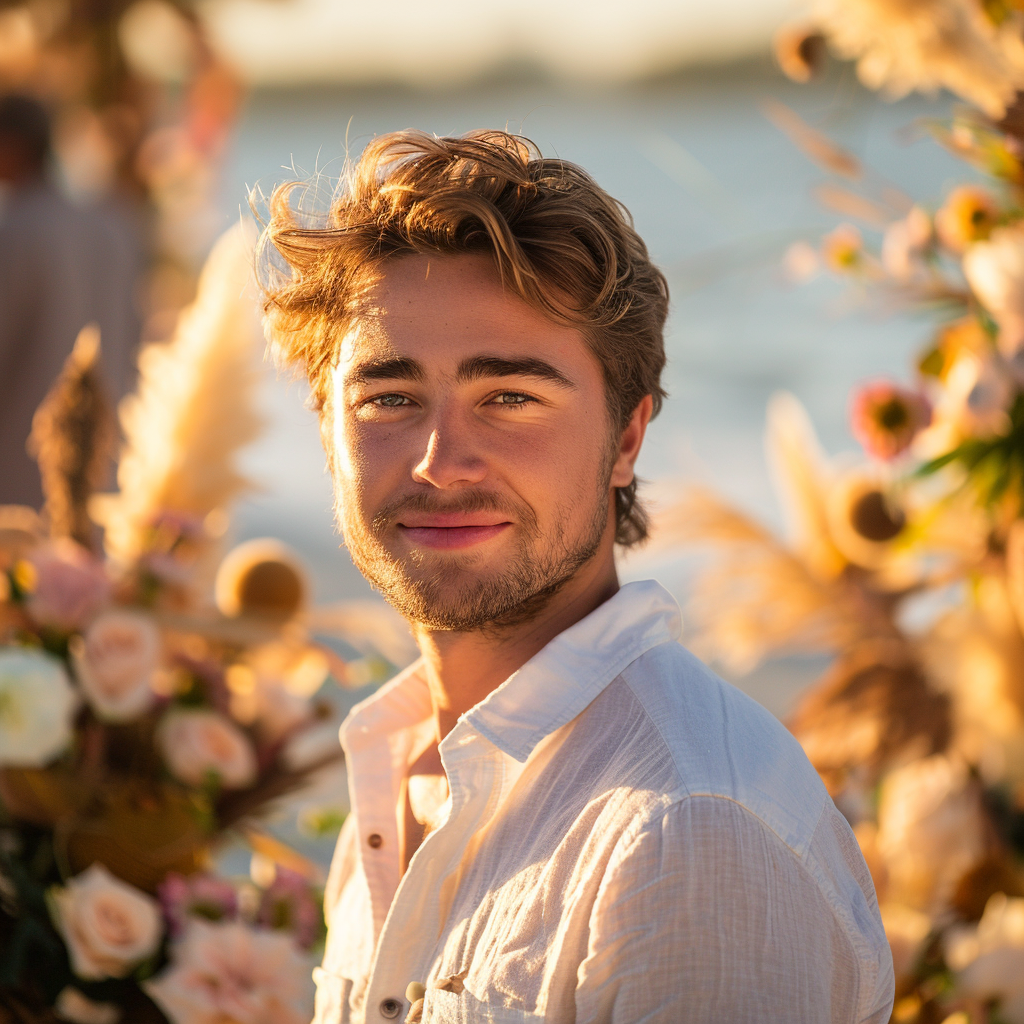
{"x":474,"y":368}
{"x":478,"y":367}
{"x":372,"y":370}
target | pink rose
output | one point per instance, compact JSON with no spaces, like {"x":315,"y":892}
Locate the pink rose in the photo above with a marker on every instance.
{"x":69,"y":586}
{"x":115,"y":661}
{"x":108,"y":926}
{"x":230,"y":972}
{"x":198,"y":743}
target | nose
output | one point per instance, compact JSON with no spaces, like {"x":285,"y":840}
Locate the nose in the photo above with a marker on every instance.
{"x":450,"y":458}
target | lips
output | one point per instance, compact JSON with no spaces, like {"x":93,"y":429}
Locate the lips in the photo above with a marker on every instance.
{"x":451,"y":530}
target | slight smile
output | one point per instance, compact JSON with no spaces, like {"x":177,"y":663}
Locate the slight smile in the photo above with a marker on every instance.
{"x":450,"y":530}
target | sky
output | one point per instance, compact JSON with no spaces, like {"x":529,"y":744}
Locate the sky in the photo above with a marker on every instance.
{"x":449,"y":41}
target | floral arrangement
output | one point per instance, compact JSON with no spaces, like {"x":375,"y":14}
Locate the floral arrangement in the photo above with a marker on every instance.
{"x":155,"y":698}
{"x":906,"y":564}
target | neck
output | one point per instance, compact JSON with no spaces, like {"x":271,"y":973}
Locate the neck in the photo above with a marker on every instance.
{"x":463,"y":668}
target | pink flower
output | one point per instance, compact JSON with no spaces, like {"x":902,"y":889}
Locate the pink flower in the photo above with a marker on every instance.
{"x":115,"y":662}
{"x":205,"y":896}
{"x":886,"y":417}
{"x":197,"y":743}
{"x":107,"y":925}
{"x":229,"y":972}
{"x":288,"y":903}
{"x":68,"y":584}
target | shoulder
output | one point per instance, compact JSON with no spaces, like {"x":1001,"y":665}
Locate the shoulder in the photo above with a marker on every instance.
{"x":724,"y":744}
{"x":710,"y":879}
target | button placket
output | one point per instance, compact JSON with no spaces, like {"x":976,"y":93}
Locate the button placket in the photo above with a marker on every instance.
{"x":473,"y":775}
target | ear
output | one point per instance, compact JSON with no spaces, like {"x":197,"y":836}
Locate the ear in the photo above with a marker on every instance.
{"x":630,"y":443}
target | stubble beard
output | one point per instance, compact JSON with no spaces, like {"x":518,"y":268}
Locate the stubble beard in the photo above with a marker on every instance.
{"x":453,"y":596}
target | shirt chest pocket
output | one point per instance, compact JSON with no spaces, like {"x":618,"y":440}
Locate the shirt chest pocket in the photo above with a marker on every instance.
{"x":464,"y":1008}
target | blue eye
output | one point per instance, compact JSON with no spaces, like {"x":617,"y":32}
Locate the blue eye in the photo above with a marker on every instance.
{"x":511,"y":398}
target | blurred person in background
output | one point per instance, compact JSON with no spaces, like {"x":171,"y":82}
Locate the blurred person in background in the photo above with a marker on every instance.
{"x":62,"y":266}
{"x":558,"y":813}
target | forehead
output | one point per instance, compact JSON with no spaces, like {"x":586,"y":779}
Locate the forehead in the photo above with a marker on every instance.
{"x":440,"y":310}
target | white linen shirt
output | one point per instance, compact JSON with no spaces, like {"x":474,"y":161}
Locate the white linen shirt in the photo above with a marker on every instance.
{"x":628,"y":839}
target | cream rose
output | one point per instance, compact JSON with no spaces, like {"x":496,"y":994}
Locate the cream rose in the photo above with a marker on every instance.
{"x":108,"y":926}
{"x":931,"y":830}
{"x":995,"y":271}
{"x":198,"y":743}
{"x":115,"y":661}
{"x":230,"y":972}
{"x":988,"y":957}
{"x":37,"y":704}
{"x":72,"y":1006}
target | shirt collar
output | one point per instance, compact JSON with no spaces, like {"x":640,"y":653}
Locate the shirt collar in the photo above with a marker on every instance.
{"x":551,"y":689}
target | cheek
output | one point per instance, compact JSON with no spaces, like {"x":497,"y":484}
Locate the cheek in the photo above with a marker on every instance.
{"x":365,"y":464}
{"x":558,"y":466}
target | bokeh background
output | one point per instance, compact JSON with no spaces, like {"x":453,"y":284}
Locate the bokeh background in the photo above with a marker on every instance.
{"x":669,"y":107}
{"x":844,"y":269}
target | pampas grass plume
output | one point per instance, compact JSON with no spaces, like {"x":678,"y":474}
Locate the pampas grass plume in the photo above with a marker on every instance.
{"x":194,"y":407}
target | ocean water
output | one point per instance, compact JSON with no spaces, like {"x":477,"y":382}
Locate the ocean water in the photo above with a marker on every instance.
{"x":717,"y":192}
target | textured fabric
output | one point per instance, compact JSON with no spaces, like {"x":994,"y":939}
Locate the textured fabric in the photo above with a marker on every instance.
{"x":629,"y":839}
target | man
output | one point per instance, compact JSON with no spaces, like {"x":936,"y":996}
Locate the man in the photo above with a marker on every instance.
{"x":557,"y":812}
{"x":61,"y":267}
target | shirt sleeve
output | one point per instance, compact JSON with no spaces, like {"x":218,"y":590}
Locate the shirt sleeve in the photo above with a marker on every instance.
{"x":708,"y":916}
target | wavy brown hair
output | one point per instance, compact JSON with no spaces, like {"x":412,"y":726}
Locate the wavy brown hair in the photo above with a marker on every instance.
{"x":558,"y":240}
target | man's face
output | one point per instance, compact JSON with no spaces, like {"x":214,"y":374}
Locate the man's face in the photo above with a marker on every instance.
{"x":471,"y":446}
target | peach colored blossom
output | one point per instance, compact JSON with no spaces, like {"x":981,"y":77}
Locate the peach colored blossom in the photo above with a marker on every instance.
{"x":968,"y":215}
{"x":227,"y":971}
{"x":198,"y":743}
{"x":115,"y":661}
{"x":69,"y":587}
{"x":842,"y":250}
{"x":108,"y":926}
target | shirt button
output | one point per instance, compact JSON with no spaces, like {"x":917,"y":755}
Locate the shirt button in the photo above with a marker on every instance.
{"x":390,"y":1008}
{"x":376,"y":841}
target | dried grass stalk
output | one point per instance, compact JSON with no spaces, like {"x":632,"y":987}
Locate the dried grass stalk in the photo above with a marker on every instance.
{"x":872,"y":710}
{"x":72,"y":439}
{"x":757,"y":597}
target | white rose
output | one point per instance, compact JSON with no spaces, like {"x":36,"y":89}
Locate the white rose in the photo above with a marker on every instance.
{"x":108,"y":926}
{"x":227,"y":971}
{"x":197,"y":743}
{"x":988,"y":957}
{"x":995,"y":271}
{"x":37,"y":704}
{"x":115,"y":661}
